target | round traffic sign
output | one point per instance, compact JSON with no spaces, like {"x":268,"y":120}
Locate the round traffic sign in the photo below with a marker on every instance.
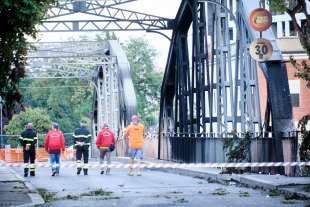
{"x":260,"y":19}
{"x":261,"y":50}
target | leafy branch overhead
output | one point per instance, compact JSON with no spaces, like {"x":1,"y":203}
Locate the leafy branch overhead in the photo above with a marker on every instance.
{"x":18,"y":19}
{"x":147,"y":82}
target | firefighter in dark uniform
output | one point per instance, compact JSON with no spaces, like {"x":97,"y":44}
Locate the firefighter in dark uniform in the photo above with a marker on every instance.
{"x":82,"y":140}
{"x":28,"y":140}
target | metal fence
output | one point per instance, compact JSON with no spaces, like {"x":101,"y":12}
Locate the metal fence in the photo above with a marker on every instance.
{"x":199,"y":148}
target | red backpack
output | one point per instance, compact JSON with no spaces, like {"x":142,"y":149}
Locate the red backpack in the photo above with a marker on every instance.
{"x":54,"y":140}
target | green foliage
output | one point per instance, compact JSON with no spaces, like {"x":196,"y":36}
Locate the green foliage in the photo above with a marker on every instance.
{"x":304,"y":151}
{"x":277,"y":5}
{"x":65,"y":105}
{"x":147,"y":82}
{"x":237,"y":147}
{"x":220,"y":192}
{"x":17,"y":18}
{"x":47,"y":196}
{"x":303,"y":70}
{"x":40,"y":119}
{"x":274,"y":192}
{"x":244,"y":194}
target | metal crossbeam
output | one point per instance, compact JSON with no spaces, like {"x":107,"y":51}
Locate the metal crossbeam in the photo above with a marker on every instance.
{"x":53,"y":60}
{"x":101,"y":16}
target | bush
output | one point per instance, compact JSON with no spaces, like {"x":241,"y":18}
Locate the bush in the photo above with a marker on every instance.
{"x":39,"y":117}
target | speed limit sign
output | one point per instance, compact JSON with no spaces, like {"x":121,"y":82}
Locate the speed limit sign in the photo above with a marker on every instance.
{"x":261,"y":50}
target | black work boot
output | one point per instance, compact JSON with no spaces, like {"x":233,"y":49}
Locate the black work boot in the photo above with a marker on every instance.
{"x":25,"y":172}
{"x":32,"y":173}
{"x":85,"y":171}
{"x":78,"y":171}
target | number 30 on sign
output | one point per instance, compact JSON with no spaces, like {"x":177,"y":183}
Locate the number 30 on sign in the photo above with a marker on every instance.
{"x":261,"y":50}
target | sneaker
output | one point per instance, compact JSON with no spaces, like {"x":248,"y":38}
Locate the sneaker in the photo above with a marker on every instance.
{"x":102,"y":172}
{"x":78,"y":171}
{"x":32,"y":174}
{"x":139,"y":174}
{"x":54,"y":173}
{"x":26,"y":175}
{"x":130,"y":173}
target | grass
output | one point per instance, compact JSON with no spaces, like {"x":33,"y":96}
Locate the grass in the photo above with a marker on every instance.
{"x":98,"y":192}
{"x":274,"y":192}
{"x":293,"y":196}
{"x":288,"y":202}
{"x":47,"y":196}
{"x":244,"y":194}
{"x":181,"y":200}
{"x":220,"y":192}
{"x":176,"y":192}
{"x":307,"y":188}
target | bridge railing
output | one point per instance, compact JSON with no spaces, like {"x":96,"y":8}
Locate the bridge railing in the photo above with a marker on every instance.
{"x":207,"y":148}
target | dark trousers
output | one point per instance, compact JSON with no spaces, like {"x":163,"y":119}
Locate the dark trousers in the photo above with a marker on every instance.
{"x":29,"y":155}
{"x":82,"y":151}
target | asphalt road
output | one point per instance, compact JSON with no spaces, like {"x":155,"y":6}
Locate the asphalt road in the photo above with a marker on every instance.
{"x":153,"y":188}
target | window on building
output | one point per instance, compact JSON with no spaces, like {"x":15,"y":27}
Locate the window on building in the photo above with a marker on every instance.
{"x":295,"y":92}
{"x":292,"y":31}
{"x":283,"y":29}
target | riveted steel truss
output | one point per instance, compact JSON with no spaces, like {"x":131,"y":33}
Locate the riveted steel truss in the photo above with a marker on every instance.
{"x":99,"y":15}
{"x":215,"y":86}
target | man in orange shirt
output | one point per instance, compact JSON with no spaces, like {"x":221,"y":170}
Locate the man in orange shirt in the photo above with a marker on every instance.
{"x":135,"y":134}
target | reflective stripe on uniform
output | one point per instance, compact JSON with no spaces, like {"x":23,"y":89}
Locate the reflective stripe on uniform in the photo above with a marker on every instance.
{"x":35,"y":138}
{"x":85,"y":166}
{"x":26,"y":165}
{"x":28,"y":139}
{"x":32,"y":167}
{"x":79,"y":164}
{"x":81,"y":136}
{"x":22,"y":138}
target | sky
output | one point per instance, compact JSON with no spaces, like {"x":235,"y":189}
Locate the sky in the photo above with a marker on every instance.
{"x":163,"y":8}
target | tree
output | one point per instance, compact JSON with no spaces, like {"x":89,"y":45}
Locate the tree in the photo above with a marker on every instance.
{"x":146,"y":81}
{"x":17,"y":19}
{"x":64,"y":104}
{"x":39,"y":117}
{"x":292,"y":7}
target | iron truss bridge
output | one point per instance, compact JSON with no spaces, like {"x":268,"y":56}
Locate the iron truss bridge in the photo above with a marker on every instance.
{"x":99,"y":15}
{"x":210,"y":87}
{"x":103,"y":64}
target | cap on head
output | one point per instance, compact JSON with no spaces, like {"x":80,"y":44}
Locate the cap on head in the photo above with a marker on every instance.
{"x":55,"y":125}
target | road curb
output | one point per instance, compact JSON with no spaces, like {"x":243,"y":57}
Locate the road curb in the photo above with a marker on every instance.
{"x":34,"y":196}
{"x":239,"y":179}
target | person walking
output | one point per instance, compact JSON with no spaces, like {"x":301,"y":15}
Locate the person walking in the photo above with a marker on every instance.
{"x":28,"y":140}
{"x":135,"y":134}
{"x":82,"y":140}
{"x":105,"y":143}
{"x":54,"y":144}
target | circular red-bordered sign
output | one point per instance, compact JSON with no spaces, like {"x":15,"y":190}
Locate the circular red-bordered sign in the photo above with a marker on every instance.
{"x":261,"y":50}
{"x":260,"y":19}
